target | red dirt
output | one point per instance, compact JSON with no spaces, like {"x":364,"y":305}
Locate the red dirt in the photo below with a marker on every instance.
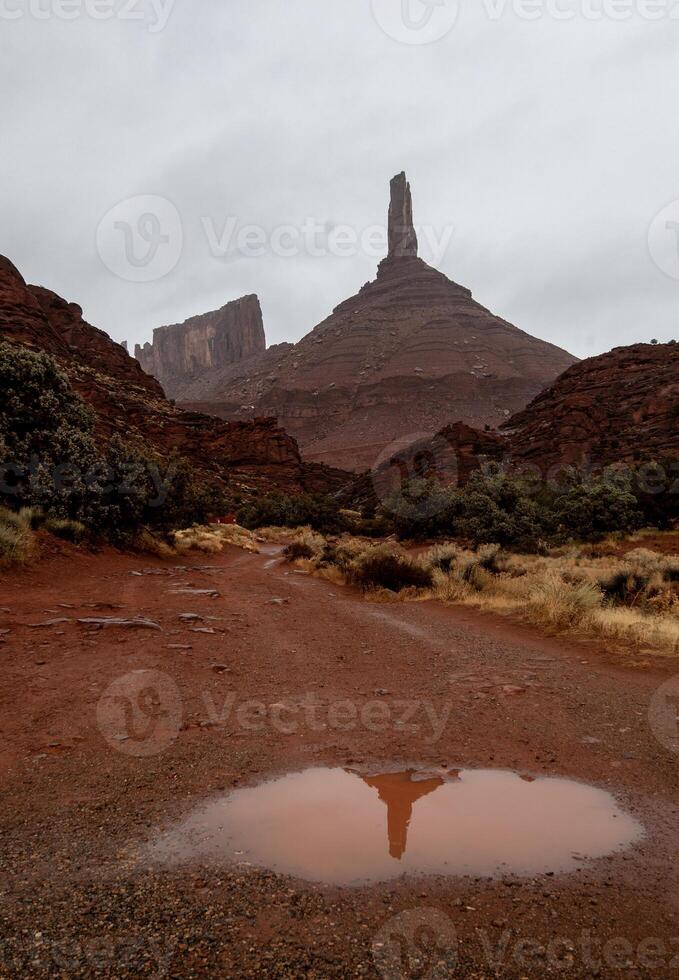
{"x":77,"y":809}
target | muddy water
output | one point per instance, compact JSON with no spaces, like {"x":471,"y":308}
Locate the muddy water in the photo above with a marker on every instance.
{"x":340,"y":827}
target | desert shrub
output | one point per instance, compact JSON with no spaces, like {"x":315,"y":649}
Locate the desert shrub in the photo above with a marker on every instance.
{"x":148,"y":543}
{"x":645,"y":579}
{"x":66,"y":529}
{"x":624,"y":586}
{"x":297,"y":549}
{"x":442,"y":557}
{"x":496,"y":508}
{"x":556,"y":603}
{"x":421,"y":508}
{"x":46,"y":441}
{"x":589,"y":509}
{"x":385,"y":569}
{"x":473,"y":574}
{"x":319,"y":511}
{"x":489,"y":557}
{"x":656,"y":487}
{"x":305,"y":544}
{"x":188,"y":496}
{"x":212,"y":538}
{"x":343,"y":553}
{"x":379,"y":526}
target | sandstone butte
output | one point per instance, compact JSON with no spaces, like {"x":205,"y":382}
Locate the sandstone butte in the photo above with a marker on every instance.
{"x":411,"y":353}
{"x":245,"y":455}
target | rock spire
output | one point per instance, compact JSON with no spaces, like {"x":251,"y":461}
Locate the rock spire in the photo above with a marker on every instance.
{"x":402,"y":236}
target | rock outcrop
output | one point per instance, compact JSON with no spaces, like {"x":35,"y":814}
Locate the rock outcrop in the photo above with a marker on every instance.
{"x":408,"y":354}
{"x":618,"y":407}
{"x":245,"y":455}
{"x":184,"y":351}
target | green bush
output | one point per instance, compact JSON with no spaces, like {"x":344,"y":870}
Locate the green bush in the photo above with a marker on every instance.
{"x":499,"y":508}
{"x":589,"y":509}
{"x":421,"y":509}
{"x":52,"y":468}
{"x":46,"y":441}
{"x":318,"y":511}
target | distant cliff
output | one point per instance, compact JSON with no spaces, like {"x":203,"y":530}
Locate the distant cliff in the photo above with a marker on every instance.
{"x":184,"y":351}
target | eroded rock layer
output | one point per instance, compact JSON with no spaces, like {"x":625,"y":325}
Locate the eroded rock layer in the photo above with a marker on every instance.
{"x":243,"y":455}
{"x":619,"y":406}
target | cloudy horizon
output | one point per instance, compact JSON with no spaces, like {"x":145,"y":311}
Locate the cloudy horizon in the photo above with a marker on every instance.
{"x":252,"y":147}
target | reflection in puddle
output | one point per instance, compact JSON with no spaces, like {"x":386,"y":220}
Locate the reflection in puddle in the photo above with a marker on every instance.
{"x":339,"y":827}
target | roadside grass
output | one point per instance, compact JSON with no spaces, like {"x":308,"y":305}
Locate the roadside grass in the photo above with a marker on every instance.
{"x":631,"y":600}
{"x":17,"y":542}
{"x":67,"y":530}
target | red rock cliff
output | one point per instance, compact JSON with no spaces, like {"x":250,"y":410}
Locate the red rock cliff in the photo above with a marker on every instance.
{"x":183,"y":351}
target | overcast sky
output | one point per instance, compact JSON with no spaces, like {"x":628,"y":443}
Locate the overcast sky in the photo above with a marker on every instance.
{"x":539,"y":152}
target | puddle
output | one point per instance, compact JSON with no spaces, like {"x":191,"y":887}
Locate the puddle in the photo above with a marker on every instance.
{"x":340,"y":827}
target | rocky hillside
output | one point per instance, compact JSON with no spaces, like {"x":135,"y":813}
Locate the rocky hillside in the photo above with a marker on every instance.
{"x":243,"y":455}
{"x":409,"y":354}
{"x":619,"y":406}
{"x":185,"y":351}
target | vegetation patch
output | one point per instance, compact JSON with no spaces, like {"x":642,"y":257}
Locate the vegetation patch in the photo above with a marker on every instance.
{"x":632,"y":600}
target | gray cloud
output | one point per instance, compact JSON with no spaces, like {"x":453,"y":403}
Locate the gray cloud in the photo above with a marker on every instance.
{"x":548,"y":147}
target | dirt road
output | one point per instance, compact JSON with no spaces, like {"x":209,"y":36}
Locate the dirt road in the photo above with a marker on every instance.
{"x":246,"y":685}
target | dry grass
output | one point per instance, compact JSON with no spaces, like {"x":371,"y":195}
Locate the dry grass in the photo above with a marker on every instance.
{"x":304,"y":544}
{"x":17,"y":543}
{"x":212,"y":538}
{"x":67,"y":530}
{"x":631,"y":600}
{"x":148,"y":543}
{"x":563,"y":593}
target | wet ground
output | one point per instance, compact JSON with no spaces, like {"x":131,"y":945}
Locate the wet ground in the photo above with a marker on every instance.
{"x":231,"y":672}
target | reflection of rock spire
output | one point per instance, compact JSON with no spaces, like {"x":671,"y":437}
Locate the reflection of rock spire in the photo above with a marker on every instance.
{"x":402,"y":236}
{"x":399,"y":792}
